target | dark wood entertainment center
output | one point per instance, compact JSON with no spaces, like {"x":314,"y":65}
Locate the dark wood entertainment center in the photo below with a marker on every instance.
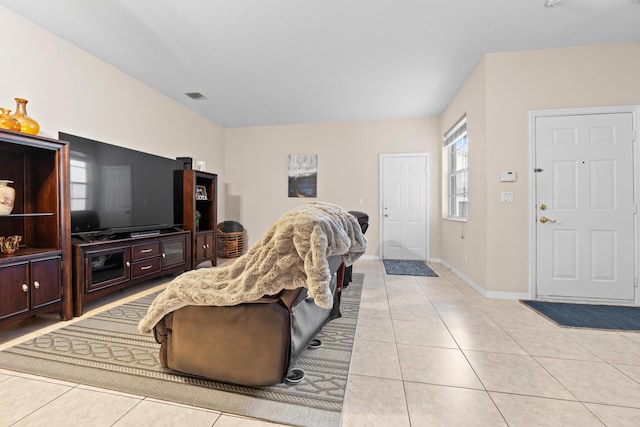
{"x":55,"y":272}
{"x":111,"y":263}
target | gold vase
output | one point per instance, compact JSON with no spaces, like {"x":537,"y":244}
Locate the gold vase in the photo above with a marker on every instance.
{"x":7,"y":122}
{"x":7,"y":197}
{"x":27,"y":124}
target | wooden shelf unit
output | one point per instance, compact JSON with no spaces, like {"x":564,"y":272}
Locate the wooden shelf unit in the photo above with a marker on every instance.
{"x":37,"y":278}
{"x":186,"y":204}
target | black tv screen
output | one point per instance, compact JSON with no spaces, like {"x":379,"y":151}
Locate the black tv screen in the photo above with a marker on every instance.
{"x":114,"y":189}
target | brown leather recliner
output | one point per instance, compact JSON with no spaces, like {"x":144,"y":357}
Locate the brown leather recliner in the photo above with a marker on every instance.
{"x":254,"y":343}
{"x":363,"y":221}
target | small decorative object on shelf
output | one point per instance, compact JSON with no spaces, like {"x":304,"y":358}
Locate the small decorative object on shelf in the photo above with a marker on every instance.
{"x":7,"y":197}
{"x":198,"y":216}
{"x":201,"y":192}
{"x":8,"y":122}
{"x":27,"y":124}
{"x":9,"y":245}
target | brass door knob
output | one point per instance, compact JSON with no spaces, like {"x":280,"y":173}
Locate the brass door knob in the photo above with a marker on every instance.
{"x":544,"y":219}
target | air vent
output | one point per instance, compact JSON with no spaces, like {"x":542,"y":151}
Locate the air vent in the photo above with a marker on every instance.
{"x":196,"y":95}
{"x":553,"y":3}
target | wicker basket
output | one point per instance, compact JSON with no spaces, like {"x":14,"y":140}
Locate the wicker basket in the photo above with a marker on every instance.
{"x":230,"y":244}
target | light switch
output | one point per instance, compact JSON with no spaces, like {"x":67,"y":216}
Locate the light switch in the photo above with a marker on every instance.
{"x":507,"y":197}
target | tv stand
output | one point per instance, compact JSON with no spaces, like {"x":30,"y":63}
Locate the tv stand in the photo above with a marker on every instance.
{"x":103,"y":267}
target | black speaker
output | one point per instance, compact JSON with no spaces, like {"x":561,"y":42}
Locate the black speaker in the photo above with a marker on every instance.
{"x":184,"y":163}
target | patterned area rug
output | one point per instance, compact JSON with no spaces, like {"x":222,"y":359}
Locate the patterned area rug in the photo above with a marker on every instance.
{"x":405,"y":267}
{"x":106,"y":350}
{"x":592,"y":316}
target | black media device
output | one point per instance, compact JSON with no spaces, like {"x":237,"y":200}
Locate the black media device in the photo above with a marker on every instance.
{"x":116,"y":190}
{"x":184,"y":163}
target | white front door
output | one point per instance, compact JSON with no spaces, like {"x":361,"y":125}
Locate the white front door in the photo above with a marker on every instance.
{"x":585,"y":207}
{"x":404,"y":207}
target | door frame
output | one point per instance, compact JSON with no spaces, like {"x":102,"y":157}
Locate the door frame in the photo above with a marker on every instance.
{"x":535,"y":114}
{"x":427,"y":200}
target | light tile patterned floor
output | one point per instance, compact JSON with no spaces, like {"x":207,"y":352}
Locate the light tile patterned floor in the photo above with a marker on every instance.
{"x":428,"y":352}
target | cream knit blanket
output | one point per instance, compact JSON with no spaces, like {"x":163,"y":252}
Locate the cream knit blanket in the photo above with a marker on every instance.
{"x":292,"y":253}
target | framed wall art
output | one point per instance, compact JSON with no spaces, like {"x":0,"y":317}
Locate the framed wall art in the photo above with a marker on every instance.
{"x":303,"y":175}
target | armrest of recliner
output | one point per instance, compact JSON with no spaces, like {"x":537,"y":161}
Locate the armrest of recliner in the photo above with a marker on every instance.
{"x":163,"y":328}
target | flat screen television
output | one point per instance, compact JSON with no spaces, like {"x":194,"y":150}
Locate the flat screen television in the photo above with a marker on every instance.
{"x":116,"y":190}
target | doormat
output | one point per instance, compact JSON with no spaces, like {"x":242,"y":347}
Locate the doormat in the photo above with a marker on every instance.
{"x":614,"y":317}
{"x":405,"y":267}
{"x":107,"y":351}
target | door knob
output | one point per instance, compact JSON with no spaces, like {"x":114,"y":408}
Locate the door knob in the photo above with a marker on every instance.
{"x":544,"y":219}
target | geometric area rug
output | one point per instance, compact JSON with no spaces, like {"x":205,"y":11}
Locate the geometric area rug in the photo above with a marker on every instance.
{"x":593,"y":316}
{"x":404,"y":267}
{"x":107,"y":351}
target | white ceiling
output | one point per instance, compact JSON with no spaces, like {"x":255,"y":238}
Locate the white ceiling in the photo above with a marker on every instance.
{"x":266,"y":62}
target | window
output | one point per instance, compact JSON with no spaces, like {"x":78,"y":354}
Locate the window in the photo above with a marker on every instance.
{"x":78,"y":180}
{"x":455,"y":142}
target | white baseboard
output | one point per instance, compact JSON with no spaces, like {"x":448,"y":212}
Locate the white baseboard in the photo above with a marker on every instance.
{"x":467,"y":280}
{"x":480,"y":289}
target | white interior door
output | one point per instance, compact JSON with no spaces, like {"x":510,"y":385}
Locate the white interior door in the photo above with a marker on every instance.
{"x":585,"y":207}
{"x":404,"y":207}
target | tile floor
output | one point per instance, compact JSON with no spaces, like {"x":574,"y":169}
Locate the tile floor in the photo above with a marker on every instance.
{"x":428,"y":352}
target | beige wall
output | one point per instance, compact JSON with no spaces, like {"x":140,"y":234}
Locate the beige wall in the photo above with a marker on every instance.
{"x":73,"y":92}
{"x":348,"y":168}
{"x":463,"y":244}
{"x":515,"y":84}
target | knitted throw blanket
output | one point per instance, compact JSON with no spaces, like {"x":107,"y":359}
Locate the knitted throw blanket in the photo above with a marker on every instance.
{"x":292,"y":253}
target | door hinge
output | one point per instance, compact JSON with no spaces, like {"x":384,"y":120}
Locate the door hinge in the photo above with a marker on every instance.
{"x":635,"y":282}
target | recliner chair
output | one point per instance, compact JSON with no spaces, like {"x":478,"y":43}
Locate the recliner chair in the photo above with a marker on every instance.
{"x":253,"y":343}
{"x":248,"y":322}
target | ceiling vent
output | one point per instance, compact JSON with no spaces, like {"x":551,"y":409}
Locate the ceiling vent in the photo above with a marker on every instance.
{"x":553,"y":3}
{"x":196,"y":95}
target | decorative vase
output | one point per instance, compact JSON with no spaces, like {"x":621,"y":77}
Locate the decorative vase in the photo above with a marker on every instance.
{"x":8,"y":122}
{"x":7,"y":197}
{"x":10,"y":244}
{"x":27,"y":124}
